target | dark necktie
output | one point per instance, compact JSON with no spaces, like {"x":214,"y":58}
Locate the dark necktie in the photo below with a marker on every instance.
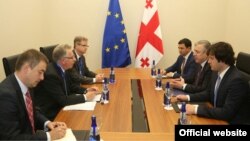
{"x":199,"y":70}
{"x":217,"y":85}
{"x":64,"y":80}
{"x":80,"y":65}
{"x":29,"y":107}
{"x":183,"y":65}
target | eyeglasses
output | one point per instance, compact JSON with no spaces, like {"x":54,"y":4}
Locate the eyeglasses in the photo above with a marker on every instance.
{"x":72,"y":57}
{"x":83,"y":45}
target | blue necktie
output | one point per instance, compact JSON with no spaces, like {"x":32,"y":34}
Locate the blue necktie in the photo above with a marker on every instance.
{"x":80,"y":63}
{"x":217,"y":85}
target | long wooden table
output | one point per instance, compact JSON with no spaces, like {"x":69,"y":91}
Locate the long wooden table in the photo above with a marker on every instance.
{"x":117,"y":115}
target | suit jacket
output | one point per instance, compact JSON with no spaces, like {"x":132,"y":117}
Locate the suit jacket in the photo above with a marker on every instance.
{"x":189,"y":69}
{"x":232,"y":103}
{"x":50,"y":94}
{"x":87,"y":75}
{"x":203,"y":80}
{"x":14,"y":120}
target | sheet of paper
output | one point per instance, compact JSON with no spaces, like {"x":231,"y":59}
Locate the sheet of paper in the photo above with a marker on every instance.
{"x":82,"y":106}
{"x":96,"y":98}
{"x":68,"y":137}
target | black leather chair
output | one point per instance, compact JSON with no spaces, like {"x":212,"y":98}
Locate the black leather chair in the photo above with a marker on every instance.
{"x":242,"y":63}
{"x":47,"y":51}
{"x":9,"y":64}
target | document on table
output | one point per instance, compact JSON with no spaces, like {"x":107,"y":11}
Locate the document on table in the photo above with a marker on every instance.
{"x":82,"y":106}
{"x":69,"y":136}
{"x":97,"y":98}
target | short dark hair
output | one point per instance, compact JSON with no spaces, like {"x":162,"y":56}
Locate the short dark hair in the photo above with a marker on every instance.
{"x":223,"y":52}
{"x":186,"y":42}
{"x":32,"y":57}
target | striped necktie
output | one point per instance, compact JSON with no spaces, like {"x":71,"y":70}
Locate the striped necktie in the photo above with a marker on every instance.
{"x":29,"y":107}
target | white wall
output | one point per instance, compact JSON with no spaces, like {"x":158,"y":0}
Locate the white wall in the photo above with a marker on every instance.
{"x":21,"y":27}
{"x":34,"y":23}
{"x":238,"y":25}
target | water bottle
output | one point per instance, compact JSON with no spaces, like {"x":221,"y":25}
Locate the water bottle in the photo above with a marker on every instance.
{"x":94,"y":131}
{"x":183,"y":116}
{"x":158,"y":84}
{"x":167,"y":98}
{"x":112,"y":75}
{"x":153,"y":70}
{"x":105,"y":92}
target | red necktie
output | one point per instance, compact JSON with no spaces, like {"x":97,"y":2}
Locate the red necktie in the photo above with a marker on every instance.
{"x":29,"y":107}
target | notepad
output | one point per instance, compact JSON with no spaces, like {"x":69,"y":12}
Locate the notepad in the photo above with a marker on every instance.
{"x":90,"y":106}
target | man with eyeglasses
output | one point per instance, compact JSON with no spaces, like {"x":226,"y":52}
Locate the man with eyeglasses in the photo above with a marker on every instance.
{"x":203,"y":70}
{"x":57,"y":90}
{"x":80,"y":72}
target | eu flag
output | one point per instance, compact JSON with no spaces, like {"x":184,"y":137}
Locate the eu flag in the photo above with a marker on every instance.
{"x":115,"y":49}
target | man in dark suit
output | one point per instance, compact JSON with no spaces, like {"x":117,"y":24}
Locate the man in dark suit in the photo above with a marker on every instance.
{"x":19,"y":119}
{"x":203,"y":71}
{"x":80,"y":72}
{"x":57,"y":90}
{"x":185,"y":65}
{"x":228,"y":91}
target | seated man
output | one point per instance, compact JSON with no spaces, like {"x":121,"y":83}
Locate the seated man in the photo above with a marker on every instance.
{"x":57,"y":90}
{"x":19,"y":118}
{"x":80,"y":72}
{"x":203,"y":71}
{"x":185,"y":65}
{"x":227,"y":92}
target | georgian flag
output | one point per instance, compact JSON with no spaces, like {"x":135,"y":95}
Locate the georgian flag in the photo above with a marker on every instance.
{"x":149,"y":45}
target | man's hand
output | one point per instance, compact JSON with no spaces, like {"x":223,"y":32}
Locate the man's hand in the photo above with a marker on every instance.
{"x":99,"y":77}
{"x":190,"y":109}
{"x":91,"y":94}
{"x":181,"y":97}
{"x":170,"y":74}
{"x":177,"y":83}
{"x":94,"y":88}
{"x":57,"y":132}
{"x":52,"y":125}
{"x":163,"y":72}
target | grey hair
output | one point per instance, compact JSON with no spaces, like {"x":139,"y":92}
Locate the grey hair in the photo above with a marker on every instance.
{"x":60,"y":51}
{"x":206,"y":44}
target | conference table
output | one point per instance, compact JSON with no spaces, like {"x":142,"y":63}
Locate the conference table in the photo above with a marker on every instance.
{"x":122,"y":119}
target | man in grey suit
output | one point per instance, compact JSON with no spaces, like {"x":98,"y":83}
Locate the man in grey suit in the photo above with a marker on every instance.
{"x":19,"y":118}
{"x":228,"y":91}
{"x":57,"y":89}
{"x":80,"y":72}
{"x":203,"y":71}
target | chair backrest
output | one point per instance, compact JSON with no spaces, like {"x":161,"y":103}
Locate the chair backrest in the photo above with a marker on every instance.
{"x":242,"y":63}
{"x":9,"y":64}
{"x":47,"y":51}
